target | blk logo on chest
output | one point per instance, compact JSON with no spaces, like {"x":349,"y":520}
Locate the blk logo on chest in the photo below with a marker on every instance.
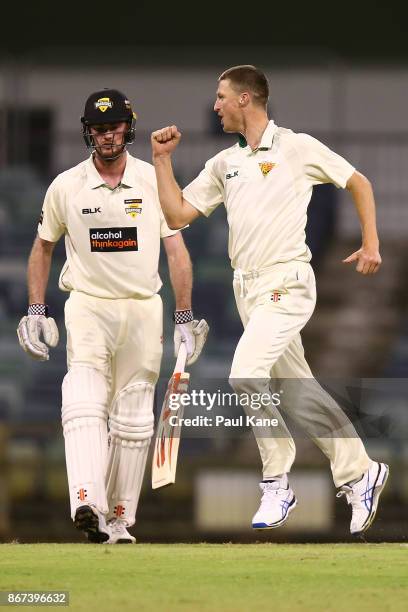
{"x":91,"y":211}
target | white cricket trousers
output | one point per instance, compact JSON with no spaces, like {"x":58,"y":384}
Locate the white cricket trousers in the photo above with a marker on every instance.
{"x":114,"y":349}
{"x":274,"y":305}
{"x":122,"y":338}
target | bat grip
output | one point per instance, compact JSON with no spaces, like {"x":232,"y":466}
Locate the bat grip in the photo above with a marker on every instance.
{"x":181,"y":358}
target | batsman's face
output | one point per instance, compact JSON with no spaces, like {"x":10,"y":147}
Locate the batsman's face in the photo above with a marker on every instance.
{"x":227,"y":107}
{"x":109,"y":138}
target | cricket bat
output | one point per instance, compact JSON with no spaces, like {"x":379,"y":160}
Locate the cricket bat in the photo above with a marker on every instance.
{"x":167,"y":440}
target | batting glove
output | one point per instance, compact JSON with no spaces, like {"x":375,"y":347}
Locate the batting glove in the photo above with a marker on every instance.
{"x":192,"y":332}
{"x":31,"y":327}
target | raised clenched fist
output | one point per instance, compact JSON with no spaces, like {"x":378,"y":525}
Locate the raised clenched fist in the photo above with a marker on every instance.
{"x":164,"y":141}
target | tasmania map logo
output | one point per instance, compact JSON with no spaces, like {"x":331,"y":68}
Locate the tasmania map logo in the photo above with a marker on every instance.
{"x":266,"y":167}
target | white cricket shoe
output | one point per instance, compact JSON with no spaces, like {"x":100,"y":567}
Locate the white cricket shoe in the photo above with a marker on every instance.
{"x":278,"y":500}
{"x":93,"y":523}
{"x":364,"y":495}
{"x":118,"y":533}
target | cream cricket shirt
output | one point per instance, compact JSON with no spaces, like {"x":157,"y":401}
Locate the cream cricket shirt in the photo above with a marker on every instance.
{"x":112,"y":236}
{"x":266,"y":193}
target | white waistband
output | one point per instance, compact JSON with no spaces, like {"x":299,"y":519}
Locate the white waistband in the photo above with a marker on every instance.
{"x":239,"y":273}
{"x":243,"y":275}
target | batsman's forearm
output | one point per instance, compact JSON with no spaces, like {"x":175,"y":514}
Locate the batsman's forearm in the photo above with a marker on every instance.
{"x":170,"y":195}
{"x":38,"y":272}
{"x":181,"y":277}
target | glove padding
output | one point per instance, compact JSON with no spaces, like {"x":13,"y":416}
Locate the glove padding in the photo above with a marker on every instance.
{"x":194,"y":334}
{"x":29,"y":330}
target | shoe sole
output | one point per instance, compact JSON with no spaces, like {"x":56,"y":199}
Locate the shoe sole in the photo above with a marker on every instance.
{"x":378,"y":489}
{"x":87,"y":521}
{"x":125,"y":541}
{"x":121,"y":541}
{"x":265,"y":526}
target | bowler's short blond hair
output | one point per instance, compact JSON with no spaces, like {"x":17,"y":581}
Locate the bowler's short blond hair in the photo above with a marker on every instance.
{"x":248,"y":78}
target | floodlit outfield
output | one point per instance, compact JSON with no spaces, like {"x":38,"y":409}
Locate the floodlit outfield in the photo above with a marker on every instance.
{"x":225,"y":577}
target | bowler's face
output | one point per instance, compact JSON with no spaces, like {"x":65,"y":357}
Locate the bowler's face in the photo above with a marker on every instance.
{"x":227,"y":107}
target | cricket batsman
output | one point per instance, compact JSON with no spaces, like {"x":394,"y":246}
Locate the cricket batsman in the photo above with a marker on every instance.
{"x":107,"y":208}
{"x":265,"y":182}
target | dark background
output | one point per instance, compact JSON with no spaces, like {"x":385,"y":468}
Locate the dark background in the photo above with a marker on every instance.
{"x":368,"y":32}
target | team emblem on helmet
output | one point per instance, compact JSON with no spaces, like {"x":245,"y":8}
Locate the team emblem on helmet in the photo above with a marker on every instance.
{"x":103,"y":104}
{"x":266,"y":167}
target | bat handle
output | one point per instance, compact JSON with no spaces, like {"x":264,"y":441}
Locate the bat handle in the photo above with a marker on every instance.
{"x":181,"y":358}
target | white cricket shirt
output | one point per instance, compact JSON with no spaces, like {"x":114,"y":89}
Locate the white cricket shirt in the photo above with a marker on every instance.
{"x":112,"y":236}
{"x":266,"y":193}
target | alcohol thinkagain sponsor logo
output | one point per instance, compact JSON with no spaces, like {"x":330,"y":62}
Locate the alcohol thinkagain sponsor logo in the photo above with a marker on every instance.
{"x":108,"y":239}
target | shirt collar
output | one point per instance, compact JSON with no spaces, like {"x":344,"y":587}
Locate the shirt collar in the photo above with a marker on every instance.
{"x":266,"y":140}
{"x":95,"y":180}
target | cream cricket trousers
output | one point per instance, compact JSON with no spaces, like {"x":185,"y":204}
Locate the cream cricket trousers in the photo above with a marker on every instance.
{"x":122,"y":338}
{"x":274,"y":305}
{"x":114,"y":351}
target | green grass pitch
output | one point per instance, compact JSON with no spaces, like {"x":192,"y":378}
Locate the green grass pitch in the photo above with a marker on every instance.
{"x":217,"y":577}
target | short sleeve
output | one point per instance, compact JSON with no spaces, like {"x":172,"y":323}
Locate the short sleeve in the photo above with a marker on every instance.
{"x":322,"y":165}
{"x":205,"y":192}
{"x":51,"y":225}
{"x":164,"y":228}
